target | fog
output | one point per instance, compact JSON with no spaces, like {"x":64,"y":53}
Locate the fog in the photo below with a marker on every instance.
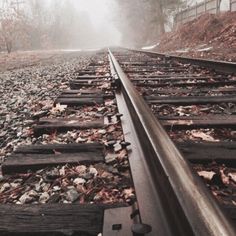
{"x":59,"y":24}
{"x":88,"y":23}
{"x":78,"y":24}
{"x":99,"y":26}
{"x":84,"y":24}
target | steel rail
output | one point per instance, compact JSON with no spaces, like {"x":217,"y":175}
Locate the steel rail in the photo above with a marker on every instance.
{"x":189,"y":208}
{"x":220,"y":66}
{"x":145,"y":192}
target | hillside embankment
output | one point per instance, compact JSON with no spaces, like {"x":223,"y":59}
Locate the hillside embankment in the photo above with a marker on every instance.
{"x":208,"y":36}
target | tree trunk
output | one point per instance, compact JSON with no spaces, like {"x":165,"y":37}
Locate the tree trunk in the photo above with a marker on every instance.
{"x":9,"y":46}
{"x":160,"y":16}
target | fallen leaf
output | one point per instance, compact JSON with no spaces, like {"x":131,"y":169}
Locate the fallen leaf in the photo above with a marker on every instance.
{"x":225,"y":179}
{"x":56,"y":152}
{"x":122,"y":154}
{"x":208,"y":175}
{"x":58,"y":108}
{"x":203,"y":136}
{"x":232,"y":176}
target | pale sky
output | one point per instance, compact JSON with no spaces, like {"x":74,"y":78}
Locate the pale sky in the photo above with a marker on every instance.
{"x":98,"y":10}
{"x":100,"y":13}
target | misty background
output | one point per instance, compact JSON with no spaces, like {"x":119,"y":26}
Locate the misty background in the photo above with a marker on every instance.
{"x":84,"y":24}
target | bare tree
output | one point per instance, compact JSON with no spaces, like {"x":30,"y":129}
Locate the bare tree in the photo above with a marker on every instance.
{"x":12,"y":27}
{"x":144,"y":21}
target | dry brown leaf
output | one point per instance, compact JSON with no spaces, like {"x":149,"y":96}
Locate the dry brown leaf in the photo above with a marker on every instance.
{"x":122,"y":154}
{"x":56,"y":152}
{"x":105,"y":86}
{"x":208,"y":175}
{"x":111,"y":128}
{"x":58,"y":108}
{"x":225,"y":179}
{"x":232,"y":176}
{"x":203,"y":136}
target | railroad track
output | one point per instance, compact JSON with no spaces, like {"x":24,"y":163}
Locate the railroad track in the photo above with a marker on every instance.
{"x":121,"y":151}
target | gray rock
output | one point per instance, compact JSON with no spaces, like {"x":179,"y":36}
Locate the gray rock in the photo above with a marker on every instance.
{"x":117,"y":147}
{"x":15,"y":185}
{"x":37,"y":187}
{"x":56,"y":188}
{"x":53,"y":174}
{"x":111,"y":158}
{"x":72,"y":195}
{"x":93,"y":171}
{"x":3,"y":134}
{"x":5,"y":187}
{"x":26,"y":198}
{"x":113,"y":170}
{"x":79,"y":181}
{"x":54,"y":198}
{"x":102,"y":131}
{"x":87,"y":176}
{"x":44,"y":197}
{"x":97,"y":197}
{"x":81,"y":169}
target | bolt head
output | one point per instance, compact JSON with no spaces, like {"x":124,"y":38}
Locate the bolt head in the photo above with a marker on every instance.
{"x":141,"y":229}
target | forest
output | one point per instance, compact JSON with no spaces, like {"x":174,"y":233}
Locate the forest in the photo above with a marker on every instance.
{"x":41,"y":24}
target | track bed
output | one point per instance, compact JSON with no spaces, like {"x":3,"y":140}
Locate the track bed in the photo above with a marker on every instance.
{"x":133,"y":143}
